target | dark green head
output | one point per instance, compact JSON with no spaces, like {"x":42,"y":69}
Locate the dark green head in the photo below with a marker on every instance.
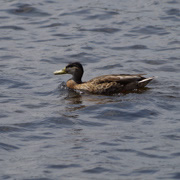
{"x":75,"y":69}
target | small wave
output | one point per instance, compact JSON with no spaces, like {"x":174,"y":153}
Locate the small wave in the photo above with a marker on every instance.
{"x":79,"y":12}
{"x":172,"y":137}
{"x":150,"y":30}
{"x":102,"y":30}
{"x":7,"y":129}
{"x":8,"y":147}
{"x":135,"y":47}
{"x":174,"y":12}
{"x":104,"y":16}
{"x":176,"y":175}
{"x":35,"y":106}
{"x":62,"y":86}
{"x":13,"y":83}
{"x":54,"y":25}
{"x":12,"y":27}
{"x":63,"y":166}
{"x":125,"y":115}
{"x":96,"y":170}
{"x":27,"y":10}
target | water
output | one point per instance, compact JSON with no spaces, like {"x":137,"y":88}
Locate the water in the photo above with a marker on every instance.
{"x":48,"y":132}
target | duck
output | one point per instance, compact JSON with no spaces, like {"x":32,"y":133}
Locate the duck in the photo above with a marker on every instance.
{"x":105,"y":84}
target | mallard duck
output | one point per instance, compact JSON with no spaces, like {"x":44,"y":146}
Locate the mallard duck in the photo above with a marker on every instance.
{"x":106,"y":84}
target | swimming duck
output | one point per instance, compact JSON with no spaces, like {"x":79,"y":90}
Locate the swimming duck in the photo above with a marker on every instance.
{"x":106,"y":84}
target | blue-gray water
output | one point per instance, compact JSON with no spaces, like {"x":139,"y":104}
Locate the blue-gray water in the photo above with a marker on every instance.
{"x":50,"y":133}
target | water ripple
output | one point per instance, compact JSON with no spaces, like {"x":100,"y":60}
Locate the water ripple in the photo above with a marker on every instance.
{"x":173,"y":11}
{"x":8,"y":147}
{"x":27,"y":10}
{"x":135,"y":47}
{"x":145,"y":171}
{"x":176,"y":175}
{"x":126,"y":115}
{"x":150,"y":30}
{"x":63,"y":166}
{"x":79,"y":12}
{"x":6,"y":129}
{"x":17,"y":28}
{"x":101,"y":30}
{"x":96,"y":170}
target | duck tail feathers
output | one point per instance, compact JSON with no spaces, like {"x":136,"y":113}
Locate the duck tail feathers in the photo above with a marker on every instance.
{"x":144,"y":82}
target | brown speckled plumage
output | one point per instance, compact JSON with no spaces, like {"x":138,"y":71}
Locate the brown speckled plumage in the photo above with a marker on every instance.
{"x":107,"y":84}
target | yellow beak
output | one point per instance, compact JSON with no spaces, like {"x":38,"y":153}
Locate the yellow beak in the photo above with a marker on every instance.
{"x":59,"y":72}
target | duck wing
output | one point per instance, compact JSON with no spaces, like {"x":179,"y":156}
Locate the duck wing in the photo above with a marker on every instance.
{"x":119,"y":78}
{"x":114,"y":83}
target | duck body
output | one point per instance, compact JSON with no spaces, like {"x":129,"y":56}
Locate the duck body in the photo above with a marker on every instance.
{"x":106,"y":84}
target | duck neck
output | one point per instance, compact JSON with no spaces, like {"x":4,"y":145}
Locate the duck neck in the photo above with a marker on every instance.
{"x":77,"y":77}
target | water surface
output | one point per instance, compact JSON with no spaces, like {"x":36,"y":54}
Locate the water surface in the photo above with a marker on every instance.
{"x":48,"y":132}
